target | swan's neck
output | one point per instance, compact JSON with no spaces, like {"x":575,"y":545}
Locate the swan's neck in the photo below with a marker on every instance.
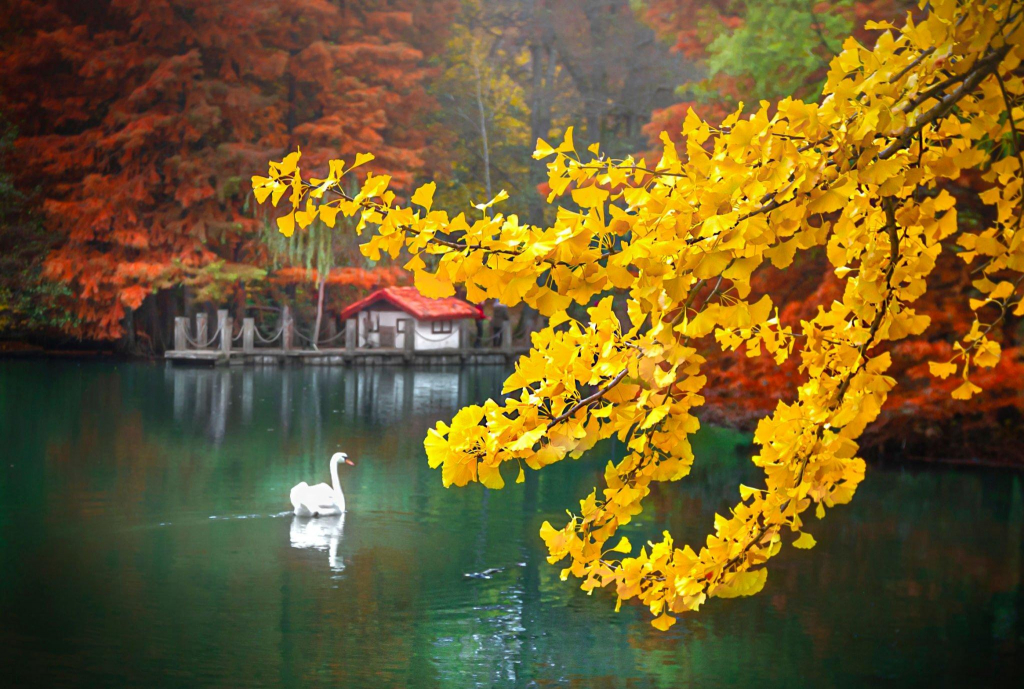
{"x":339,"y":497}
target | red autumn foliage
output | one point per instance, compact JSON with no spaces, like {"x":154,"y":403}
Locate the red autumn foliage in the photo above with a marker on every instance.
{"x":140,"y":122}
{"x":363,"y":279}
{"x":921,"y":418}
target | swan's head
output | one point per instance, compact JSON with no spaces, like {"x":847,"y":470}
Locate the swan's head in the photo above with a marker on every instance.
{"x":339,"y":457}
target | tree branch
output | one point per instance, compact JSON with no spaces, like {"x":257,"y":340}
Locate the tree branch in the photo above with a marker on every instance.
{"x":589,"y":400}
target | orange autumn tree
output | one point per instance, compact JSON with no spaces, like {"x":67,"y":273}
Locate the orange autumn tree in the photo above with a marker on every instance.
{"x":138,"y":119}
{"x":857,"y":174}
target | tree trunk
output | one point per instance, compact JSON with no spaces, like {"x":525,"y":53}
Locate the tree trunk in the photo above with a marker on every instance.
{"x":319,"y":310}
{"x":540,"y":117}
{"x":241,"y":299}
{"x":127,"y":343}
{"x":483,"y":131}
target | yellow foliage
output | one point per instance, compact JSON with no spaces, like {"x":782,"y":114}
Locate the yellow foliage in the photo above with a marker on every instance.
{"x":806,"y":541}
{"x":857,"y":174}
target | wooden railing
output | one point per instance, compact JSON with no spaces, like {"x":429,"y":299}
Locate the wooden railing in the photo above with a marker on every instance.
{"x":222,"y":341}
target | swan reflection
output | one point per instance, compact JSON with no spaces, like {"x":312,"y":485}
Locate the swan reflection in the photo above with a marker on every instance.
{"x":323,"y":533}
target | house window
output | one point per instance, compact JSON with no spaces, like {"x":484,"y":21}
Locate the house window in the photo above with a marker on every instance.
{"x":372,"y":323}
{"x":440,"y":327}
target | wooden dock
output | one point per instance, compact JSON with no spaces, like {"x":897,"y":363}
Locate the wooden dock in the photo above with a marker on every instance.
{"x":218,"y":349}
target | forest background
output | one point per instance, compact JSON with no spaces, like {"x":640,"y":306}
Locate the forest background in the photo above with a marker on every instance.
{"x":129,"y":130}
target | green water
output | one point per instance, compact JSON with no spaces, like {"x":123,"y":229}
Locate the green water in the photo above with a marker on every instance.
{"x":142,"y":544}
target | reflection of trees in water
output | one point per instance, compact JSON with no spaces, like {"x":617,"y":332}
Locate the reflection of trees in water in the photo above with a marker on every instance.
{"x":131,"y":460}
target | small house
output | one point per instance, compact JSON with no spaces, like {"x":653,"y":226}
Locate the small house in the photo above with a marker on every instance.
{"x":388,"y":316}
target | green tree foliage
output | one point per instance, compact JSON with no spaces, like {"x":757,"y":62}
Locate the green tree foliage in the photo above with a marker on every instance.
{"x":781,"y":48}
{"x":484,"y":109}
{"x":28,"y":301}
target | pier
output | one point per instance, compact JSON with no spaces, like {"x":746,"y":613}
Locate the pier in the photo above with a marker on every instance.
{"x":248,"y":346}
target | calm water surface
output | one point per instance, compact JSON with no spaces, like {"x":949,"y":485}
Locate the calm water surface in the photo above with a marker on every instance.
{"x":142,"y":544}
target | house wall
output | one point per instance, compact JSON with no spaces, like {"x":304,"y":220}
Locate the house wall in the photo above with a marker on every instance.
{"x":425,"y":339}
{"x":384,"y":318}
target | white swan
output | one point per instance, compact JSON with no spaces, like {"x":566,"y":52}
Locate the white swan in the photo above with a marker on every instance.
{"x":321,"y":500}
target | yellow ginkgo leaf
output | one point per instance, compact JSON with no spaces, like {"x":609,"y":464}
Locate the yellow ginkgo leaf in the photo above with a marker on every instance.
{"x":329,"y":214}
{"x":362,"y":159}
{"x":805,"y":541}
{"x":286,"y":224}
{"x":542,"y":150}
{"x":567,"y":145}
{"x":623,"y":546}
{"x":424,"y":196}
{"x":987,"y":354}
{"x":941,"y":370}
{"x":589,"y":196}
{"x":743,"y":584}
{"x":431,"y":285}
{"x":966,"y":391}
{"x":663,"y":622}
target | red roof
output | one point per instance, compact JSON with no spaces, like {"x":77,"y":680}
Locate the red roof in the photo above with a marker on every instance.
{"x":410,"y":300}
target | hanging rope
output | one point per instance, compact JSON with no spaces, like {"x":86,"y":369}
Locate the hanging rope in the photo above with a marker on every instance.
{"x":332,"y":339}
{"x":320,"y":341}
{"x":204,"y":345}
{"x":268,"y":340}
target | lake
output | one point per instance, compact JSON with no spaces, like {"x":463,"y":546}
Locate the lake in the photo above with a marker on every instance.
{"x":144,"y":542}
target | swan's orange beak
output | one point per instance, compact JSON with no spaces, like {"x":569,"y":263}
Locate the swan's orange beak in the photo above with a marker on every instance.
{"x":349,"y":462}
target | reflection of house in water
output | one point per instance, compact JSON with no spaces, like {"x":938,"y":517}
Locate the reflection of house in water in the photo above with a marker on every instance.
{"x":389,"y":394}
{"x":289,"y":401}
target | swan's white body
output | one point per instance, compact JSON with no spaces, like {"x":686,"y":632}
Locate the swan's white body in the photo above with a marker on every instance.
{"x":320,"y":500}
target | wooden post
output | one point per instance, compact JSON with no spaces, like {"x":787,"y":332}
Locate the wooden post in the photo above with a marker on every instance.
{"x":351,"y":334}
{"x":225,"y":326}
{"x":248,"y":334}
{"x":506,"y":337}
{"x":201,"y":330}
{"x":180,"y":333}
{"x":287,"y":333}
{"x":464,"y":334}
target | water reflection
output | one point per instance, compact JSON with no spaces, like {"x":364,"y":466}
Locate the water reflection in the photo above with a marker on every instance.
{"x":323,"y":533}
{"x":114,"y":574}
{"x":207,"y":401}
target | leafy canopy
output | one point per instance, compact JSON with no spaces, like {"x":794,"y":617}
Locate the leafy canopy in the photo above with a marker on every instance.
{"x":777,"y":46}
{"x":859,"y":173}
